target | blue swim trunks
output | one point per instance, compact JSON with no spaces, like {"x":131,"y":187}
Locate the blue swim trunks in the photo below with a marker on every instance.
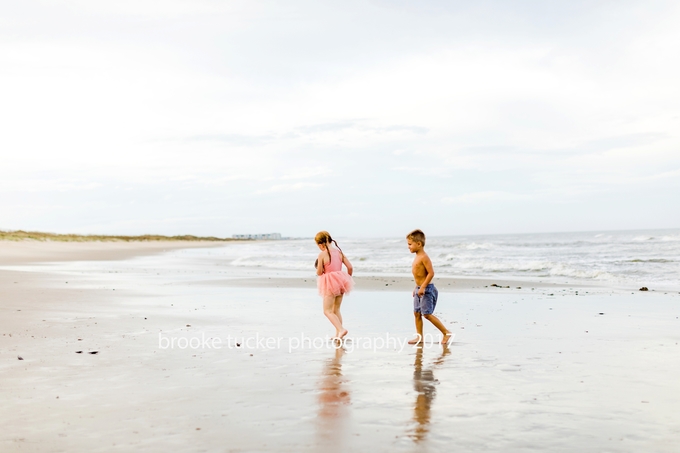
{"x":425,"y":304}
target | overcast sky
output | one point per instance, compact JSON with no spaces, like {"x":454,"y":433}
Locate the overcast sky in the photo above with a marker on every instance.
{"x":365,"y":118}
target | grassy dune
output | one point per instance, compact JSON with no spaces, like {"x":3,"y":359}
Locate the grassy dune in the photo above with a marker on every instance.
{"x":39,"y":236}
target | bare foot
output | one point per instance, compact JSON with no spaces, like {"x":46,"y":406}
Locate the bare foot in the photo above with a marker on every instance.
{"x":342,"y":334}
{"x":446,"y":338}
{"x":416,"y":340}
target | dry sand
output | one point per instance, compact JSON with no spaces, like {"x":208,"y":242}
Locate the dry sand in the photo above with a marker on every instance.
{"x":542,"y":369}
{"x":24,"y":252}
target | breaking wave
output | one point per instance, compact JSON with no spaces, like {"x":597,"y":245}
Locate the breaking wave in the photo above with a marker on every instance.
{"x":641,"y":257}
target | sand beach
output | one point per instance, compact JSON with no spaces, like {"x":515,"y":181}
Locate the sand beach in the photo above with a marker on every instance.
{"x":106,"y":347}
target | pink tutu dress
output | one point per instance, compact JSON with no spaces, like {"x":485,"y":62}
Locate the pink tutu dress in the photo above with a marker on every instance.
{"x":334,"y":281}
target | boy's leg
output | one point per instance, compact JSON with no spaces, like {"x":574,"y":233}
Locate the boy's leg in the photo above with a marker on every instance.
{"x":446,"y":334}
{"x":419,"y":328}
{"x":419,"y":318}
{"x":429,"y":303}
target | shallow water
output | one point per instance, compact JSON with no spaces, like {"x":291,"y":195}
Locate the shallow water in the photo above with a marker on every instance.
{"x":537,"y":373}
{"x":523,"y":373}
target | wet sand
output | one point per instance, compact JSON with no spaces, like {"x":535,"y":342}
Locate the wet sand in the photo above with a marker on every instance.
{"x":400,"y":283}
{"x":542,"y":369}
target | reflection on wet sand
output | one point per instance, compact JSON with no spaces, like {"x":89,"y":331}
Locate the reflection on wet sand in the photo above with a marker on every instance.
{"x":334,"y":399}
{"x":424,"y":384}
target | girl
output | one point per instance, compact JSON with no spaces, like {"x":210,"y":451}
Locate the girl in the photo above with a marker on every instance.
{"x":333,"y":283}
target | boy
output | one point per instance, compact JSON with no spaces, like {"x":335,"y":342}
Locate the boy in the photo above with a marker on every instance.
{"x":425,"y":294}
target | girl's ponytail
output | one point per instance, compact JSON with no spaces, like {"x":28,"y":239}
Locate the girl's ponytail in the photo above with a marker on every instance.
{"x":328,"y":249}
{"x":336,"y":244}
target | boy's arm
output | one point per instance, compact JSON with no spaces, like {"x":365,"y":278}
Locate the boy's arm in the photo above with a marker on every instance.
{"x":427,"y":262}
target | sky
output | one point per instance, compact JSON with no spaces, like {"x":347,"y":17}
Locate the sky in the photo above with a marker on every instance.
{"x":363,"y":118}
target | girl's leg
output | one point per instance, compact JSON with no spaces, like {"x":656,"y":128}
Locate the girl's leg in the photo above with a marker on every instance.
{"x":336,"y":307}
{"x":328,"y":310}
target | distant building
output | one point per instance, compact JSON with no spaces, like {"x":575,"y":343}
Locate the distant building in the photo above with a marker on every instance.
{"x":268,"y":236}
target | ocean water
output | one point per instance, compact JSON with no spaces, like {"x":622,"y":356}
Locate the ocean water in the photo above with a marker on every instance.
{"x":641,"y":257}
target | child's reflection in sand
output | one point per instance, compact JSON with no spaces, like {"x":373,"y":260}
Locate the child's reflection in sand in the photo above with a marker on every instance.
{"x":334,"y":399}
{"x":424,"y":384}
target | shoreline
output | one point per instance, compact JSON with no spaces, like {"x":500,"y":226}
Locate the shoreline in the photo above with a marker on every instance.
{"x":401,"y":283}
{"x":31,"y":252}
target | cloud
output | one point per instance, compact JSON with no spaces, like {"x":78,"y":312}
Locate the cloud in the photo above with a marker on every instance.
{"x":486,"y":196}
{"x":476,"y":102}
{"x":233,"y":139}
{"x":360,"y":125}
{"x":289,"y":187}
{"x":620,"y":141}
{"x":304,"y":173}
{"x":48,"y":185}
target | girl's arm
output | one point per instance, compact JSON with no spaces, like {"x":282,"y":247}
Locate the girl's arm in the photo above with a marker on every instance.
{"x":322,"y":262}
{"x":346,"y":262}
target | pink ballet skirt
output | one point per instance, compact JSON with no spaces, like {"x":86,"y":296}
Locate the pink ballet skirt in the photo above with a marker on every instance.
{"x":334,"y":281}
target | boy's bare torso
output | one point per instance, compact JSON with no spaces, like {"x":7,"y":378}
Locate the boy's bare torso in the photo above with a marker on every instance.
{"x":418,"y":268}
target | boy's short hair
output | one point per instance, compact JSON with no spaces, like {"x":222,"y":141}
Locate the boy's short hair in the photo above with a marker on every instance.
{"x":417,"y":236}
